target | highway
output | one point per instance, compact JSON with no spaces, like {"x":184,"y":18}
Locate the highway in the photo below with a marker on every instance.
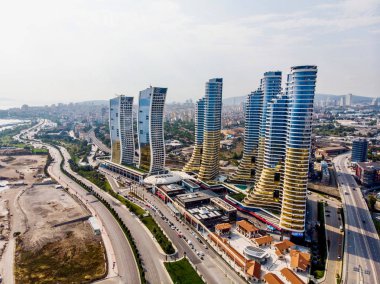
{"x":361,"y":262}
{"x":126,"y":265}
{"x":151,"y":254}
{"x":97,"y":142}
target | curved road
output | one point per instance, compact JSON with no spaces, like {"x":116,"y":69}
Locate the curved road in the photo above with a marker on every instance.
{"x":361,"y":263}
{"x":152,"y":257}
{"x":97,"y":142}
{"x":125,"y":261}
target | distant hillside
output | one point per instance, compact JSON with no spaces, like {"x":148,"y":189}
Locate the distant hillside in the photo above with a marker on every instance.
{"x":95,"y":102}
{"x":318,"y":97}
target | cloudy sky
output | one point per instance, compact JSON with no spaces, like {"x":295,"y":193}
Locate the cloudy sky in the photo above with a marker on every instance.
{"x":76,"y":50}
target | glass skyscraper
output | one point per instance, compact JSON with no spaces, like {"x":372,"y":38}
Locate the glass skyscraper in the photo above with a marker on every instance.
{"x":252,"y":114}
{"x":205,"y":156}
{"x":150,"y":128}
{"x":284,"y":136}
{"x":267,"y":190}
{"x":121,"y":130}
{"x":359,"y":150}
{"x":300,"y":89}
{"x":271,"y":87}
{"x":196,"y":158}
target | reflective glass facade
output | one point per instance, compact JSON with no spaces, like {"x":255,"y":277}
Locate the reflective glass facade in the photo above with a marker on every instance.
{"x":300,"y":89}
{"x":212,"y":125}
{"x":121,"y":130}
{"x":196,"y":157}
{"x":150,"y":128}
{"x":252,"y":113}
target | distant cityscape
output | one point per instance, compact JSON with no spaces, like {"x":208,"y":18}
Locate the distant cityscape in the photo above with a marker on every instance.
{"x":265,"y":182}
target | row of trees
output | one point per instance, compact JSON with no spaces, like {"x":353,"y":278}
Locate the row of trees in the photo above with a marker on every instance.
{"x":117,"y":217}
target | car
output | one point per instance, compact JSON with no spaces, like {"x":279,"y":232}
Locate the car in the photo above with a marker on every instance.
{"x":339,"y":257}
{"x":327,"y":215}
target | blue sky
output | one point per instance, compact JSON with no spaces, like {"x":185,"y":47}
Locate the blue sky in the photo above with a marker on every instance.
{"x":75,"y":50}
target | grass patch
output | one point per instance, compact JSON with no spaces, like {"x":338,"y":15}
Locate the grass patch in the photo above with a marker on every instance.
{"x":161,"y":238}
{"x":96,"y":178}
{"x":182,"y":272}
{"x":237,"y":196}
{"x":132,"y":206}
{"x":68,"y":260}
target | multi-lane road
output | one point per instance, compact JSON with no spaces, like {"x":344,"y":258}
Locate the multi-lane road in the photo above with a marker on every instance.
{"x":97,"y":142}
{"x":361,"y":263}
{"x":126,"y":267}
{"x":212,"y":267}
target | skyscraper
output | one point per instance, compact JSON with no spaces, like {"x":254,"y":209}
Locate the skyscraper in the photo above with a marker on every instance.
{"x":359,"y":150}
{"x":300,"y":89}
{"x":150,"y":129}
{"x":212,"y":125}
{"x":348,"y":99}
{"x":121,"y":130}
{"x":252,"y":114}
{"x":267,"y":190}
{"x":284,"y":146}
{"x":196,"y":158}
{"x":271,"y":87}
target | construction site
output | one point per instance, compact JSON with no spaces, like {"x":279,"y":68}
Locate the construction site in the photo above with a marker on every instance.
{"x":45,"y":236}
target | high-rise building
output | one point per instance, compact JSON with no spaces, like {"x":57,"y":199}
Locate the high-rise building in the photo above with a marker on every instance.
{"x":150,"y":129}
{"x":252,"y":113}
{"x":121,"y":130}
{"x":348,"y":99}
{"x":342,"y":101}
{"x":196,"y":158}
{"x":359,"y":150}
{"x":267,"y":191}
{"x":284,"y":146}
{"x":209,"y":168}
{"x":300,"y":89}
{"x":271,"y":87}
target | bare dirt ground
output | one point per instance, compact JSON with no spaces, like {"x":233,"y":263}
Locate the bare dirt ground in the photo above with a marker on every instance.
{"x":13,"y":168}
{"x":41,"y":251}
{"x":44,"y":206}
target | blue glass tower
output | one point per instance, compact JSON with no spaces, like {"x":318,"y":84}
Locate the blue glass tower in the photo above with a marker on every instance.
{"x":359,"y":150}
{"x":150,"y":129}
{"x":300,"y":89}
{"x":212,"y":125}
{"x":271,"y":87}
{"x":196,"y":158}
{"x":252,"y":113}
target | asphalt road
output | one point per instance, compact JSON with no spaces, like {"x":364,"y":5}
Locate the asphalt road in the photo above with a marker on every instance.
{"x":97,"y":142}
{"x":212,"y":267}
{"x":362,"y":244}
{"x":126,"y":264}
{"x":152,"y":257}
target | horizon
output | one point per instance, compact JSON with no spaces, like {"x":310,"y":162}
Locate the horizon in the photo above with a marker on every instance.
{"x":78,"y":51}
{"x":168,"y":102}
